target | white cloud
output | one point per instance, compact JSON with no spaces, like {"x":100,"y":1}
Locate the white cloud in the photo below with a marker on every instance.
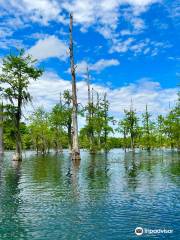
{"x":49,"y":47}
{"x":42,"y":6}
{"x":106,"y":32}
{"x":106,"y":11}
{"x":86,"y":12}
{"x":140,"y":3}
{"x":41,"y":11}
{"x":125,"y":32}
{"x":103,"y":15}
{"x":45,"y":91}
{"x":145,"y":91}
{"x":138,"y":24}
{"x":173,"y":8}
{"x":145,"y":46}
{"x":38,"y":35}
{"x":81,"y":68}
{"x":121,"y":45}
{"x":102,"y":64}
{"x":98,"y":66}
{"x":8,"y":43}
{"x":5,"y":32}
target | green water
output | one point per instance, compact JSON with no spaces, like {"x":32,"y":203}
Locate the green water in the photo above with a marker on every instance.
{"x":103,"y":197}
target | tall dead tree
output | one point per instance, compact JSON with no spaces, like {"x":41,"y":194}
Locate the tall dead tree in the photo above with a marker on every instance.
{"x":89,"y":115}
{"x":89,"y":90}
{"x":75,"y":143}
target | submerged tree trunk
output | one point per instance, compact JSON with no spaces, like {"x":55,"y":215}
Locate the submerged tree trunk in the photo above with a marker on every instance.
{"x":18,"y":154}
{"x":147,"y":116}
{"x":89,"y":117}
{"x":132,"y":142}
{"x":99,"y":130}
{"x":124,"y":137}
{"x":106,"y":121}
{"x":1,"y":130}
{"x":75,"y":143}
{"x":70,"y":136}
{"x":132,"y":126}
{"x":56,"y":147}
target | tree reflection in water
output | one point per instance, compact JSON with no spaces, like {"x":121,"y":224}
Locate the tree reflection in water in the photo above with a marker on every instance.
{"x":11,"y":203}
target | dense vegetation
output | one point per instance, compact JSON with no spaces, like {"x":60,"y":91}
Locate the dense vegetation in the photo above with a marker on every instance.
{"x":17,"y":72}
{"x":43,"y":131}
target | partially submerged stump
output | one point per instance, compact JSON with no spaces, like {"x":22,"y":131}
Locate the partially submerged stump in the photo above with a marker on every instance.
{"x":76,"y":155}
{"x":17,"y":157}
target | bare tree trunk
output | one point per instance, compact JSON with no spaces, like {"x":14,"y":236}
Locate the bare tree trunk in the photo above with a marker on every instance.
{"x":106,"y":121}
{"x":99,"y":131}
{"x":1,"y":130}
{"x":124,"y":132}
{"x":75,"y":144}
{"x":132,"y":127}
{"x":69,"y":126}
{"x":148,"y":147}
{"x":132,"y":142}
{"x":89,"y":91}
{"x":35,"y":145}
{"x":18,"y":154}
{"x":70,"y":136}
{"x":89,"y":117}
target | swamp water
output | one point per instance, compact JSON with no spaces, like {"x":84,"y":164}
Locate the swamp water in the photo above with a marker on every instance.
{"x":104,"y":197}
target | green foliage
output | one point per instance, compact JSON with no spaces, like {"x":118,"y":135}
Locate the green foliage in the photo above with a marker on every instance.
{"x":172,"y":128}
{"x":132,"y":127}
{"x":40,"y":130}
{"x":17,"y":72}
{"x":94,"y":136}
{"x":148,"y":131}
{"x":58,"y":123}
{"x":52,"y":130}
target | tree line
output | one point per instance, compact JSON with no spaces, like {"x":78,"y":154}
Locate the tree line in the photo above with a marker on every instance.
{"x":58,"y":128}
{"x":45,"y":130}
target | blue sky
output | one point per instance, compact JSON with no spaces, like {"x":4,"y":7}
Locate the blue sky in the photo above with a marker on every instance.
{"x":130,"y":46}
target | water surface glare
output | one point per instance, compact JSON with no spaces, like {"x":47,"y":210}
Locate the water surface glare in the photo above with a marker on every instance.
{"x":104,"y":197}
